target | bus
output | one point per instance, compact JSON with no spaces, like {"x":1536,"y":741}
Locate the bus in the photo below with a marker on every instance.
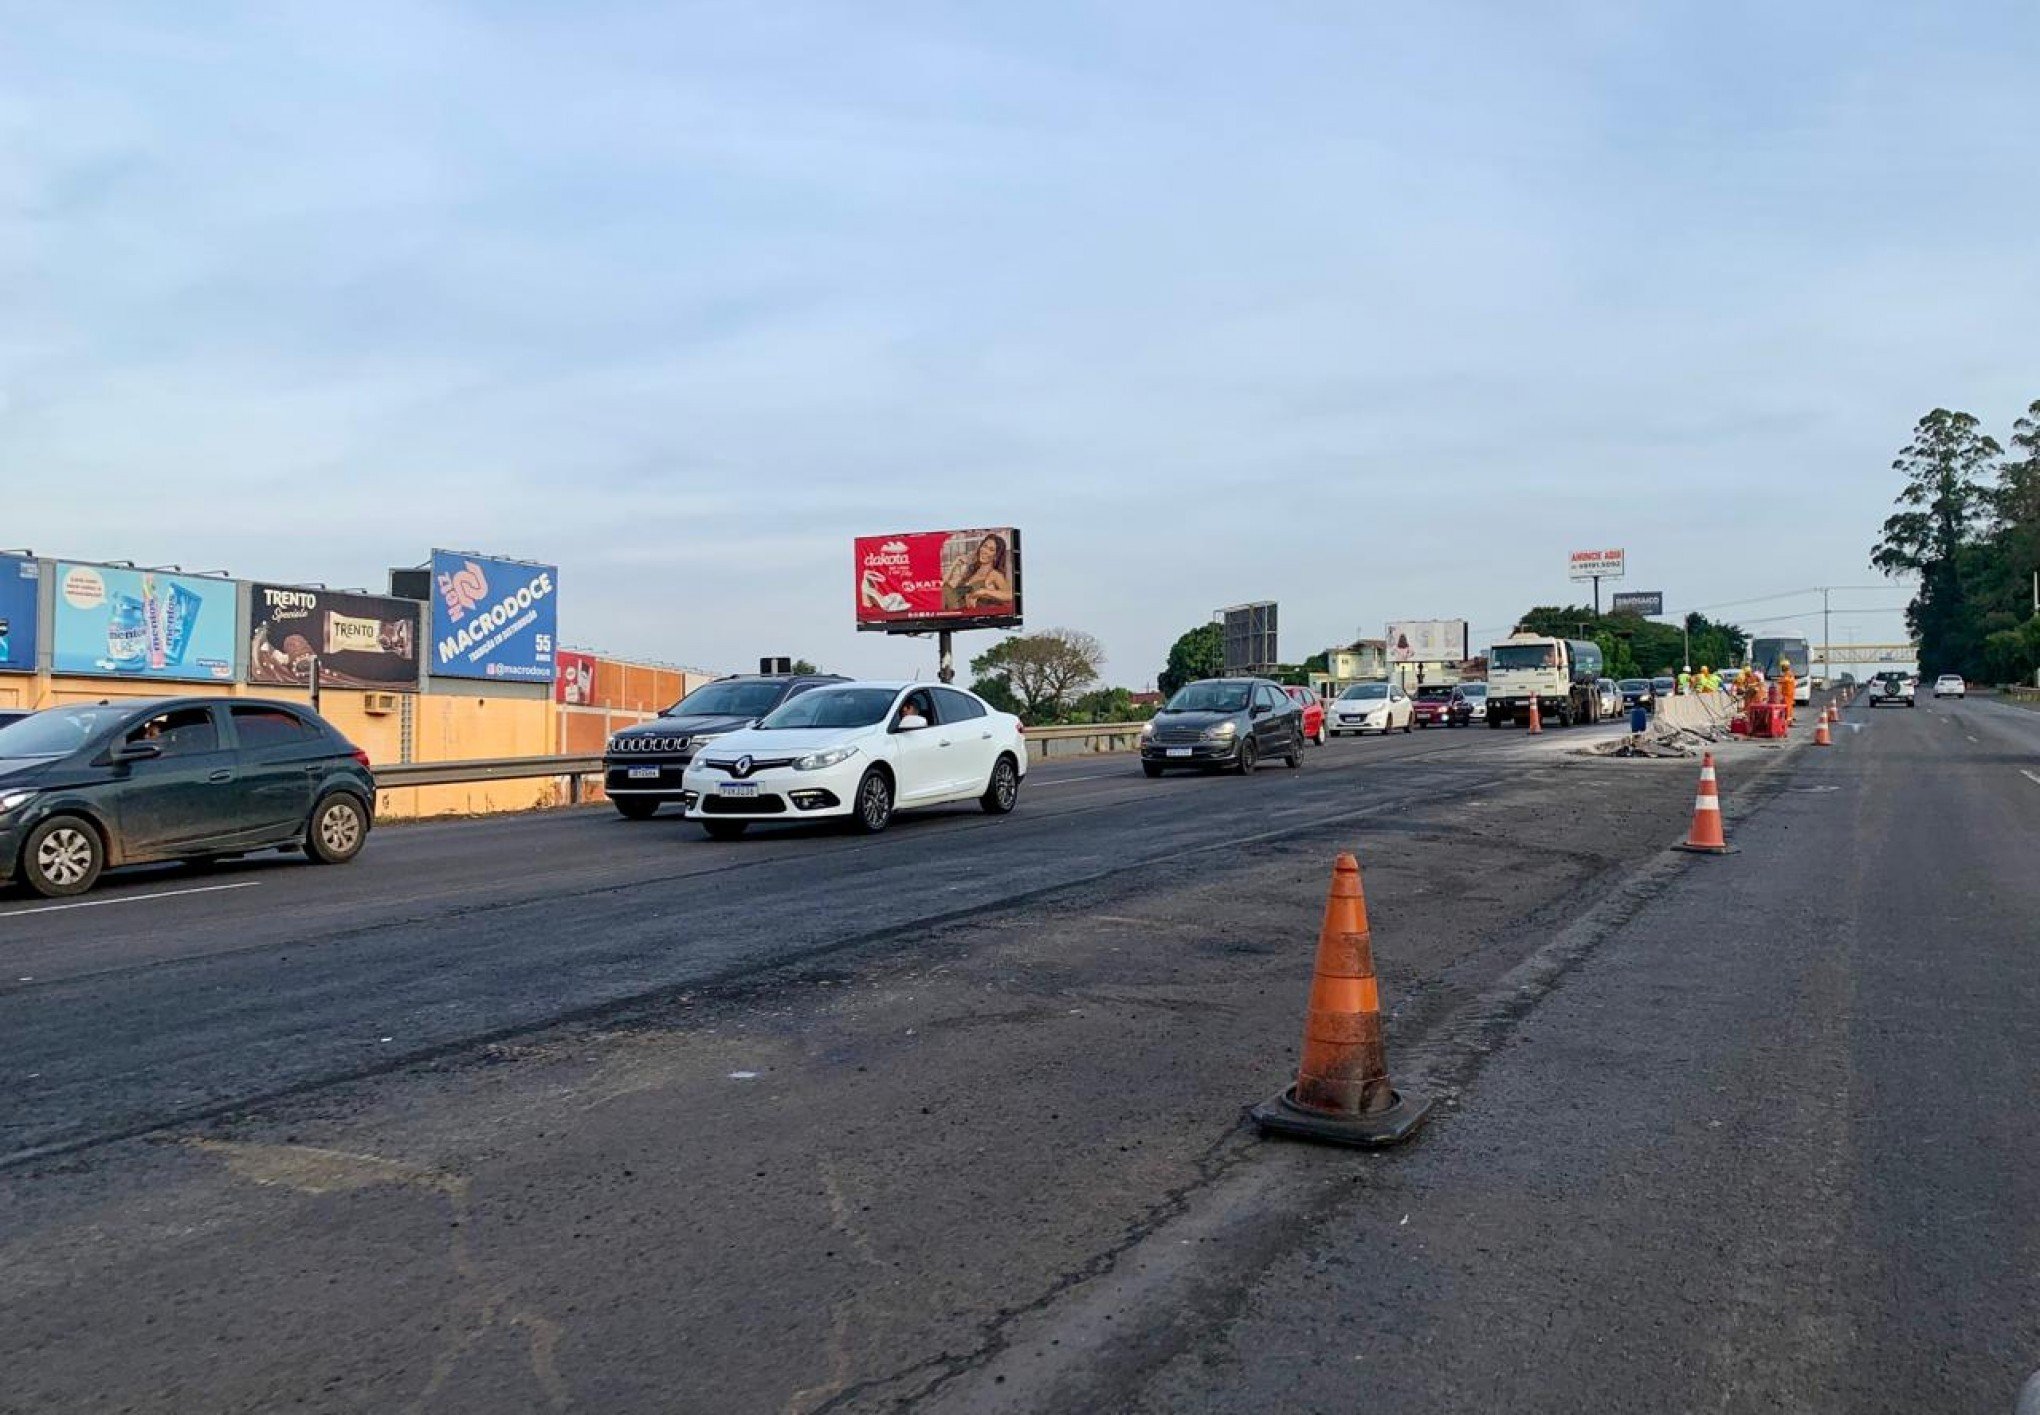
{"x":1767,"y":654}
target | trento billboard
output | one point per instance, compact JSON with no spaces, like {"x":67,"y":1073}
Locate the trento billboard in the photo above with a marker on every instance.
{"x":113,"y":621}
{"x":494,"y":619}
{"x":20,"y":584}
{"x":357,"y":640}
{"x":1427,"y":641}
{"x":924,"y":580}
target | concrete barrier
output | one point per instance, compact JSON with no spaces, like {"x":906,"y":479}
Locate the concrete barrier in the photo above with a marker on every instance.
{"x":1696,"y":711}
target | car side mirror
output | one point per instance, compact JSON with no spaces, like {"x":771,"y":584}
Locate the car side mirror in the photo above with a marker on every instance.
{"x":136,"y":752}
{"x":1259,"y":710}
{"x":910,"y":724}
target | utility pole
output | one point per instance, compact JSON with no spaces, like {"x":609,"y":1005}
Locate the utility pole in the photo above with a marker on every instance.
{"x":1827,"y":637}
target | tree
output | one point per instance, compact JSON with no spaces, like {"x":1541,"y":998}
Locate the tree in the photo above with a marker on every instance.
{"x":1198,"y":654}
{"x":1942,"y":508}
{"x":1043,"y":671}
{"x":801,"y":665}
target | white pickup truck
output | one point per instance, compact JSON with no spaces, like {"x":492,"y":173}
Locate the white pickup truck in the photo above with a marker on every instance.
{"x":1891,"y":687}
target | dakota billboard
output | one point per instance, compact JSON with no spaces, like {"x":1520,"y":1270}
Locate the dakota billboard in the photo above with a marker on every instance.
{"x":938,"y":579}
{"x":20,"y":599}
{"x":1598,"y":564}
{"x":114,"y":621}
{"x":357,"y":640}
{"x":1427,"y":641}
{"x":493,"y":618}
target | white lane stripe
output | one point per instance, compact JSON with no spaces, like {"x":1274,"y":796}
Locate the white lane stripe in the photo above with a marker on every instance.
{"x":2029,"y":776}
{"x":128,"y":899}
{"x":1094,"y":776}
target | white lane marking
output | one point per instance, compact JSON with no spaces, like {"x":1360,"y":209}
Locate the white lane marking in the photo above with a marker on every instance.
{"x":2029,"y":776}
{"x":1970,"y":735}
{"x":1094,"y":776}
{"x":128,"y":899}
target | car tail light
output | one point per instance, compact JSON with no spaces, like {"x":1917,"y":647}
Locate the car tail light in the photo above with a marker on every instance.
{"x":1023,"y":729}
{"x":362,"y":757}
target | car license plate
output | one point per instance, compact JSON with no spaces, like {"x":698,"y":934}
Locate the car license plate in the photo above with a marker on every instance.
{"x":1179,"y":751}
{"x":644,"y":773}
{"x":737,"y":788}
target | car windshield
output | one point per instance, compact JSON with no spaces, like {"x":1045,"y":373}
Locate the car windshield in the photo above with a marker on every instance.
{"x":57,"y":732}
{"x":1473,"y":690}
{"x":833,"y":707}
{"x":1526,"y":656}
{"x":1633,"y":685}
{"x":1434,"y":695}
{"x":737,"y":699}
{"x":1363,"y":692}
{"x":1209,"y":697}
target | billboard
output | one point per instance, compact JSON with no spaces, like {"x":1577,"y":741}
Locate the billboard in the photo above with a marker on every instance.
{"x":358,"y":640}
{"x":493,"y":618}
{"x":1427,"y":641}
{"x":20,"y":598}
{"x":926,"y":580}
{"x":574,"y":685}
{"x":1249,"y":631}
{"x":111,"y":620}
{"x":1598,"y":564}
{"x":1641,"y":602}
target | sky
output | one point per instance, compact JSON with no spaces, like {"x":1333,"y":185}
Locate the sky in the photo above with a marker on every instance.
{"x":1376,"y":312}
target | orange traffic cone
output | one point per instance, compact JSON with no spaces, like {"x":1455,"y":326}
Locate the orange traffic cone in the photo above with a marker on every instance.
{"x":1705,"y":836}
{"x":1342,"y":1093}
{"x":1536,"y":720}
{"x":1820,"y":735}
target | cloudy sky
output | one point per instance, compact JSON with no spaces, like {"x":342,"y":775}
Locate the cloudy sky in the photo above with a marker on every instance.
{"x":1376,"y":311}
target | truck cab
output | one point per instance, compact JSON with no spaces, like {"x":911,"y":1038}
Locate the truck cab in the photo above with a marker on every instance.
{"x":1561,"y":675}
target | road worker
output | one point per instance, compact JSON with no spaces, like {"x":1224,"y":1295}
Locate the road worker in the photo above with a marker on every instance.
{"x":1686,"y":680}
{"x":1787,"y":686}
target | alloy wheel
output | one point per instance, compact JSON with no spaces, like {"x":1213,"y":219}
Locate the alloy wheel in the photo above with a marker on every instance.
{"x":65,"y":856}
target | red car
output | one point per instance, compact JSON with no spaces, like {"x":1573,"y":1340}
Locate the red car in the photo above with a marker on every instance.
{"x":1434,"y":706}
{"x":1313,"y":714}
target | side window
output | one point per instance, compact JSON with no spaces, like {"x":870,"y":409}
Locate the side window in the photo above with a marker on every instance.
{"x":918,"y":703}
{"x":1269,"y":697}
{"x":182,"y":732}
{"x":259,"y":727}
{"x":958,"y":707}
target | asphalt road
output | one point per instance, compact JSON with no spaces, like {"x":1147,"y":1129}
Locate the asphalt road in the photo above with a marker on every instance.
{"x":948,"y":1119}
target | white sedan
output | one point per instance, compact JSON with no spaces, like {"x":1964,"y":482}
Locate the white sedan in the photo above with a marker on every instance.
{"x":858,"y":752}
{"x":1371,"y":707}
{"x":1950,"y":685}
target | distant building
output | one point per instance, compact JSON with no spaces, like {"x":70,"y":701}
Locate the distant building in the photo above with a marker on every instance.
{"x":1362,"y":661}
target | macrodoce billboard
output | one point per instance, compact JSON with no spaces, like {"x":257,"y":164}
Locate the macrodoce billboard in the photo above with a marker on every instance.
{"x":358,"y":640}
{"x":935,"y":579}
{"x":493,"y":618}
{"x":19,"y":600}
{"x":113,"y":621}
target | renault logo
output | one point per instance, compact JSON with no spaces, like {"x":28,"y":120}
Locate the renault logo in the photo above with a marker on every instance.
{"x":741,"y":768}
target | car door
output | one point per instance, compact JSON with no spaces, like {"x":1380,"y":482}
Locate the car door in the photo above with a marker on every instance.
{"x":1401,"y":711}
{"x":180,"y":801}
{"x":964,"y":722}
{"x":1271,"y":724}
{"x":279,"y":758}
{"x":923,"y":757}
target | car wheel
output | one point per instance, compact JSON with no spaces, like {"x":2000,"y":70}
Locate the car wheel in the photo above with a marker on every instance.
{"x":635,"y":808}
{"x":874,"y":808}
{"x":1295,"y":757}
{"x":1410,"y":726}
{"x":1248,"y":755}
{"x":338,"y":830}
{"x":1002,"y":793}
{"x":1321,"y":735}
{"x":63,"y":856}
{"x":725,"y":830}
{"x":1153,"y":769}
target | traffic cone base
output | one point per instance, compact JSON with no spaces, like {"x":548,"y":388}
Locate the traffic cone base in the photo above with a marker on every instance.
{"x":1281,"y":1115}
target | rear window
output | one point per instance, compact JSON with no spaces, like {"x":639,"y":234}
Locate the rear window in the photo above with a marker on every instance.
{"x":259,"y":727}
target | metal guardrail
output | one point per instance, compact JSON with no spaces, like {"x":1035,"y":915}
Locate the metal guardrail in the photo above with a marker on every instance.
{"x":483,"y":769}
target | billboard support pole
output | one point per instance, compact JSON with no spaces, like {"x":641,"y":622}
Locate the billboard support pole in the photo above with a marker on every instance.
{"x":1597,"y":596}
{"x":315,"y":683}
{"x":945,"y":656}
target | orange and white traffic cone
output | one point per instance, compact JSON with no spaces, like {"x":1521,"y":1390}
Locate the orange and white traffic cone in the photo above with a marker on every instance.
{"x":1342,"y":1093}
{"x":1536,"y":719}
{"x":1821,"y":737}
{"x":1705,"y":837}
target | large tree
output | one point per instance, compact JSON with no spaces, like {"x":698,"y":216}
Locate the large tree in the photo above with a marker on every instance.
{"x":1200,"y":653}
{"x":1942,"y":509}
{"x":1044,"y":671}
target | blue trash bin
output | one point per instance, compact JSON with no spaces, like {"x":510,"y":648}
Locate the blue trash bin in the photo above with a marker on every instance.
{"x":1639,"y":718}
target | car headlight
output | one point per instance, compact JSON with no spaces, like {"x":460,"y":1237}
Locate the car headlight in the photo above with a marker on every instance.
{"x":1147,"y":729}
{"x":14,"y":800}
{"x":1222,"y":731}
{"x":821,"y":761}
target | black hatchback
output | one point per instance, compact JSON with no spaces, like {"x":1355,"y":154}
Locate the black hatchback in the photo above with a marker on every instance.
{"x":89,"y":787}
{"x":1224,"y":722}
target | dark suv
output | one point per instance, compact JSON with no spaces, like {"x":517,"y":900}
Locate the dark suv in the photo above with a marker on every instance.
{"x":1230,"y":722}
{"x":91,"y":786}
{"x":642,"y":766}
